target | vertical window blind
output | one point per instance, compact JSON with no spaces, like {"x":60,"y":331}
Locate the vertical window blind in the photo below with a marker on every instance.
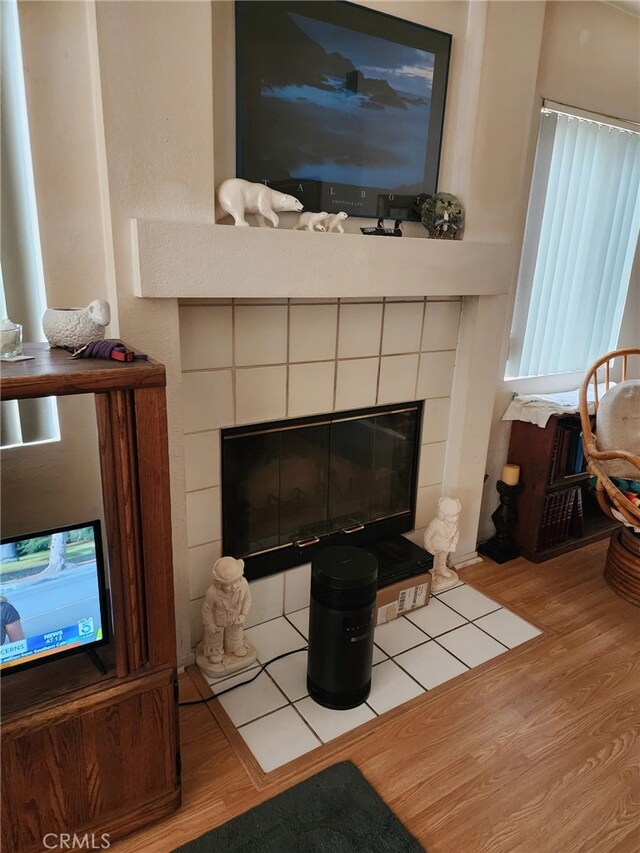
{"x":22,"y":295}
{"x":579,"y":244}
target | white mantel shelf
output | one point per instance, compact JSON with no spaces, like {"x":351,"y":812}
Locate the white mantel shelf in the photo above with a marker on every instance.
{"x":187,"y":261}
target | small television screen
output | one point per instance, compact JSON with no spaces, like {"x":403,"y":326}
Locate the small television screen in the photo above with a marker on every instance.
{"x":52,"y":595}
{"x":339,"y":105}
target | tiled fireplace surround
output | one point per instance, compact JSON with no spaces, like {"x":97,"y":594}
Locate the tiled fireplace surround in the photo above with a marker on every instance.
{"x":248,"y":361}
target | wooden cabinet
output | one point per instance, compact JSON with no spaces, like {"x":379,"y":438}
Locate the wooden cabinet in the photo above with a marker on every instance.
{"x":84,"y":752}
{"x":556,"y":510}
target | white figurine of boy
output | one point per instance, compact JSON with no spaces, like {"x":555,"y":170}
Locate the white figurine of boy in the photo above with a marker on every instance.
{"x":441,"y":538}
{"x":225,"y":649}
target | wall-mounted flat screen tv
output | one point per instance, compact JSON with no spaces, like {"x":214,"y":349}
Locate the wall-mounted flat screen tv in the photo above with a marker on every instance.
{"x":52,"y":595}
{"x":339,"y":105}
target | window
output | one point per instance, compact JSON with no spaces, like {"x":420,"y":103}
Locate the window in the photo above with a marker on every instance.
{"x":22,"y":295}
{"x":580,"y":239}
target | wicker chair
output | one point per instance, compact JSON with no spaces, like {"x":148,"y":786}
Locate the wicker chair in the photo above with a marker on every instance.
{"x":622,"y":568}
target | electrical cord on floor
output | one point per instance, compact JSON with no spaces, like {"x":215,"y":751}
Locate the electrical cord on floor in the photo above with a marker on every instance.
{"x":248,"y":681}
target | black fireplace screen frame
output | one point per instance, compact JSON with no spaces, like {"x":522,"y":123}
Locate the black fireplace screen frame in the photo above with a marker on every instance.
{"x":268,"y":559}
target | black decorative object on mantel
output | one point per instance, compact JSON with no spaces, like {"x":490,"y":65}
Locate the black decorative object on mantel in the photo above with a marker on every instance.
{"x":501,"y":548}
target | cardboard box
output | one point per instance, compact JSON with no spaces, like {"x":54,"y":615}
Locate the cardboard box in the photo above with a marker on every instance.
{"x":402,"y":597}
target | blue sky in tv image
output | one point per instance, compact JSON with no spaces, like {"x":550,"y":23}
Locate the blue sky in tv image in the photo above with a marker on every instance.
{"x":367,"y":126}
{"x":57,"y":609}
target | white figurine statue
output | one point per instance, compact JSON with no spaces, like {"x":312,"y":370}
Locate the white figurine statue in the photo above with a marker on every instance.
{"x":440,"y":538}
{"x":225,"y":649}
{"x":239,"y":197}
{"x":334,"y":222}
{"x":311,"y":221}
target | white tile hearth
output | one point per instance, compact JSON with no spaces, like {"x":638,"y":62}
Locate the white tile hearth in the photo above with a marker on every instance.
{"x":471,"y":645}
{"x":274,"y":638}
{"x":459,"y":629}
{"x":430,"y":664}
{"x":253,"y":700}
{"x":300,"y":620}
{"x":290,"y":674}
{"x":390,"y":687}
{"x":398,"y":636}
{"x":279,"y":738}
{"x":468,"y":601}
{"x":507,"y":627}
{"x":436,"y":619}
{"x":378,"y":655}
{"x":297,"y":588}
{"x":329,"y":724}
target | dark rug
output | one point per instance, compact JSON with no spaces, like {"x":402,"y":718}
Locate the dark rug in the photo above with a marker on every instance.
{"x":336,"y":811}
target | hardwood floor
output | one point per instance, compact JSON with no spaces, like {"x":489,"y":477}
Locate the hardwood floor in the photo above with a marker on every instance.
{"x":536,"y":752}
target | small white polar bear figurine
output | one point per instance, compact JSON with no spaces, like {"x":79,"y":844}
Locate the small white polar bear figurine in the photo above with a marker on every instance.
{"x":334,"y":222}
{"x":311,"y":221}
{"x":239,"y":197}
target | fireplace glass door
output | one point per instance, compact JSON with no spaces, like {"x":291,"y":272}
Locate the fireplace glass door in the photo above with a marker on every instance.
{"x":292,"y":484}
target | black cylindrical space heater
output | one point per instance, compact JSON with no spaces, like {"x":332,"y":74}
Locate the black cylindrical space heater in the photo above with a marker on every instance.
{"x":341,"y":622}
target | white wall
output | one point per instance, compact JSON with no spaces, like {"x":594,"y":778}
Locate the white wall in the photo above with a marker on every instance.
{"x":589,"y":59}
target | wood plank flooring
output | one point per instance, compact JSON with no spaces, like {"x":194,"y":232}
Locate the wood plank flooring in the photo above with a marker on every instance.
{"x":537,"y":753}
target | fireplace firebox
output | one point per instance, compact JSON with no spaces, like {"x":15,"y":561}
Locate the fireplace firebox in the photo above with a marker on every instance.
{"x":292,"y":487}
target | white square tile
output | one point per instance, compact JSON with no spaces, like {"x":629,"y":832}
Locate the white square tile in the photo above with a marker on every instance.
{"x":398,"y":636}
{"x":207,"y":400}
{"x":200,"y":560}
{"x":261,"y":394}
{"x":290,"y":674}
{"x":507,"y":627}
{"x":329,"y":724}
{"x":205,"y":336}
{"x":267,"y":595}
{"x":430,"y":665}
{"x":390,"y":687}
{"x":440,"y":329}
{"x":432,"y":458}
{"x":219,"y":685}
{"x":312,"y":332}
{"x":253,"y":700}
{"x":357,"y":383}
{"x":359,"y":330}
{"x":378,"y":655}
{"x":435,"y":420}
{"x":436,"y":618}
{"x":471,"y":645}
{"x":274,"y":638}
{"x":427,"y":504}
{"x":260,"y":334}
{"x":203,"y":516}
{"x":311,"y":388}
{"x":468,"y":601}
{"x":297,"y":588}
{"x":202,"y":460}
{"x":435,"y":376}
{"x":402,"y":327}
{"x":278,"y":738}
{"x":397,"y":378}
{"x":300,"y":619}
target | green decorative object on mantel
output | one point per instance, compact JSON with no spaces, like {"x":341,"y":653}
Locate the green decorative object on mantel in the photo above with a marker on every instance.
{"x":443,"y":216}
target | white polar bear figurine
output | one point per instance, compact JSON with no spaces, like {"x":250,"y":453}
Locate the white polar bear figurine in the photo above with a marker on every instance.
{"x":311,"y":221}
{"x":334,"y":222}
{"x":239,"y":197}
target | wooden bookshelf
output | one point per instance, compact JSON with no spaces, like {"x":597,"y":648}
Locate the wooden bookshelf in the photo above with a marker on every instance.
{"x":556,"y":510}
